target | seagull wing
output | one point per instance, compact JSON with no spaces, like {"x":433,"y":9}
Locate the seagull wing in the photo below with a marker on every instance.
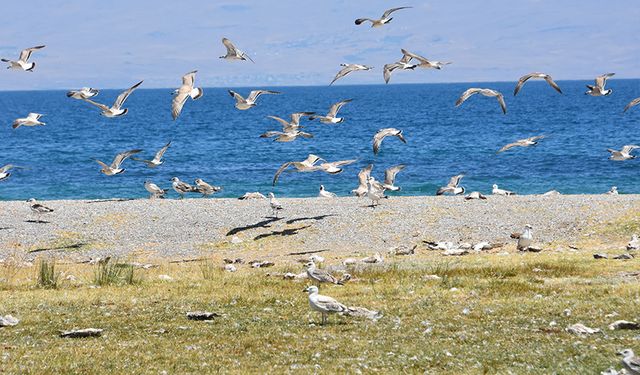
{"x":271,"y":134}
{"x":122,"y":157}
{"x":189,"y":79}
{"x":160,"y":153}
{"x":412,"y":55}
{"x":364,"y":174}
{"x":125,"y":94}
{"x":388,"y":12}
{"x":521,"y":82}
{"x":628,"y":148}
{"x":503,"y":105}
{"x":101,"y":106}
{"x":533,"y":139}
{"x":344,"y":162}
{"x":237,"y":96}
{"x":552,"y":83}
{"x":466,"y":95}
{"x":602,"y":80}
{"x":632,"y":103}
{"x":282,"y":122}
{"x":333,"y":111}
{"x":390,"y":174}
{"x":279,"y":172}
{"x":178,"y":101}
{"x":231,"y":49}
{"x":253,"y":95}
{"x":295,"y":117}
{"x":343,"y":72}
{"x":6,"y":168}
{"x":387,"y":69}
{"x":377,"y":139}
{"x":509,"y":146}
{"x":25,"y":54}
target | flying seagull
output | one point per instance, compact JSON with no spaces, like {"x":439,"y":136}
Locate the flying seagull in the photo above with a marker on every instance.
{"x":323,"y":304}
{"x":182,"y":187}
{"x":382,"y":21}
{"x":294,"y":124}
{"x":452,"y":187}
{"x":624,"y":154}
{"x":116,"y":109}
{"x":5,"y":171}
{"x":206,"y":189}
{"x":363,"y":184}
{"x":497,"y":191}
{"x":402,"y":64}
{"x":244,"y":104}
{"x":632,"y":103}
{"x":186,"y":91}
{"x":531,"y":141}
{"x":83,"y":93}
{"x":382,"y":134}
{"x":23,"y":61}
{"x":333,"y":167}
{"x":325,"y":194}
{"x":529,"y":76}
{"x":157,"y":160}
{"x":32,"y":119}
{"x":348,"y":68}
{"x":287,"y":136}
{"x":154,"y":190}
{"x":114,"y":168}
{"x":331,"y":117}
{"x":486,"y":92}
{"x":307,"y":165}
{"x":598,"y":89}
{"x":233,"y":53}
{"x":390,"y":177}
{"x":423,"y":62}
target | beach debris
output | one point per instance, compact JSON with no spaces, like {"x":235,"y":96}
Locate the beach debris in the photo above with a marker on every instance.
{"x":233,"y":261}
{"x":566,"y":312}
{"x":252,"y":195}
{"x":455,"y":252}
{"x":533,"y":249}
{"x":403,"y":250}
{"x":551,"y":193}
{"x":443,"y":245}
{"x":484,"y":245}
{"x":465,"y":245}
{"x":361,"y":312}
{"x":375,"y":258}
{"x":581,"y":329}
{"x":236,"y":240}
{"x":624,"y":256}
{"x":81,"y":333}
{"x":623,"y":324}
{"x":230,"y":268}
{"x":630,"y":361}
{"x":634,"y":244}
{"x":8,"y":321}
{"x":349,"y":262}
{"x":294,"y":276}
{"x":202,"y":315}
{"x":316,"y":259}
{"x":261,"y":263}
{"x":344,"y":278}
{"x":613,"y":371}
{"x":600,"y":256}
{"x":165,"y":277}
{"x":431,"y":277}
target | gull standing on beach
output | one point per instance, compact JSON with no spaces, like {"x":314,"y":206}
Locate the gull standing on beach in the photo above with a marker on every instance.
{"x":32,"y":119}
{"x":598,"y":89}
{"x":154,"y":190}
{"x":274,"y":204}
{"x":182,"y":187}
{"x":83,"y":93}
{"x":402,"y":64}
{"x":114,"y":168}
{"x":425,"y":63}
{"x":323,"y":304}
{"x":23,"y":61}
{"x":363,"y":184}
{"x":375,"y":191}
{"x":157,"y":159}
{"x":116,"y":109}
{"x":529,"y":76}
{"x":531,"y":141}
{"x":325,"y":194}
{"x":630,"y":361}
{"x":382,"y":134}
{"x":320,"y":275}
{"x":486,"y":92}
{"x":5,"y":171}
{"x":386,"y":18}
{"x":39,"y":209}
{"x":184,"y":92}
{"x":526,"y":238}
{"x":452,"y":187}
{"x":632,"y":103}
{"x":613,"y":191}
{"x":624,"y":154}
{"x":307,"y":165}
{"x":205,"y":189}
{"x":498,"y":191}
{"x":331,"y":117}
{"x":348,"y":68}
{"x":250,"y":102}
{"x":233,"y":53}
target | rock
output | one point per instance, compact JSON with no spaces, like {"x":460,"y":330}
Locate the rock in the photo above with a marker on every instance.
{"x":581,"y":329}
{"x":361,"y":312}
{"x":236,"y":240}
{"x":532,"y":249}
{"x":80,"y":333}
{"x":482,"y":246}
{"x":439,"y":245}
{"x":8,"y":321}
{"x":623,"y":324}
{"x":624,"y":256}
{"x":600,"y":256}
{"x":612,"y":371}
{"x":566,"y":312}
{"x":230,"y":268}
{"x":375,"y":258}
{"x":293,"y":276}
{"x":455,"y":252}
{"x":465,"y":245}
{"x":403,"y":250}
{"x":261,"y":263}
{"x":165,"y":277}
{"x":431,"y":277}
{"x":202,"y":315}
{"x":349,"y":262}
{"x":316,"y":259}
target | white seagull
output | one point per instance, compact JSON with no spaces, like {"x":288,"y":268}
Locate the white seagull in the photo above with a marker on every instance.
{"x":333,"y":167}
{"x":252,"y":195}
{"x":5,"y":171}
{"x":331,"y":117}
{"x":386,"y":18}
{"x":529,"y":76}
{"x":233,"y":53}
{"x":632,"y":103}
{"x":382,"y":134}
{"x":325,"y":194}
{"x":320,"y":275}
{"x":375,"y":191}
{"x":624,"y":154}
{"x":630,"y":361}
{"x":531,"y":141}
{"x":486,"y":92}
{"x":307,"y":165}
{"x":363,"y":181}
{"x":598,"y":89}
{"x":475,"y":195}
{"x":157,"y":159}
{"x":250,"y":102}
{"x":294,"y":124}
{"x":323,"y":304}
{"x":390,"y":177}
{"x":83,"y":93}
{"x":402,"y":64}
{"x":613,"y":191}
{"x":184,"y":92}
{"x":274,"y":204}
{"x":32,"y":119}
{"x":452,"y":187}
{"x":23,"y":61}
{"x":116,"y":109}
{"x":348,"y":68}
{"x":497,"y":191}
{"x":154,"y":190}
{"x":182,"y":187}
{"x":206,"y":189}
{"x":425,"y":63}
{"x":526,"y":238}
{"x":286,"y":136}
{"x":38,"y":208}
{"x":114,"y":168}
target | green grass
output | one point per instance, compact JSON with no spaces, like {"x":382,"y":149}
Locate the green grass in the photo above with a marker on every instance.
{"x":267,"y":324}
{"x":112,"y":272}
{"x":47,"y":276}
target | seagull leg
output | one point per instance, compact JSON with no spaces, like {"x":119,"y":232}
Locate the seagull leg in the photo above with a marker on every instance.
{"x":324,"y":318}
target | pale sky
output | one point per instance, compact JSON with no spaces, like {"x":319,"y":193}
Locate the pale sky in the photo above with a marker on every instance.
{"x":115,"y":43}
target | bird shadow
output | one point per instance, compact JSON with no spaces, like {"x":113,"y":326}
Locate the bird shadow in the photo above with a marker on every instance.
{"x":111,"y":200}
{"x":261,"y":224}
{"x":37,"y":221}
{"x":316,"y":218}
{"x":68,"y":247}
{"x":285,"y":232}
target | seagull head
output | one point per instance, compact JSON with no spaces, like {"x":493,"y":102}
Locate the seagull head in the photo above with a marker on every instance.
{"x":626,"y":353}
{"x":309,"y":264}
{"x":528,"y":227}
{"x":495,"y":186}
{"x":175,"y":179}
{"x":321,"y":187}
{"x":32,"y":200}
{"x":311,"y":289}
{"x":198,"y":181}
{"x":271,"y":195}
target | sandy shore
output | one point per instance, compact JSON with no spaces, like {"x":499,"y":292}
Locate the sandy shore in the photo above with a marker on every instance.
{"x":186,"y":228}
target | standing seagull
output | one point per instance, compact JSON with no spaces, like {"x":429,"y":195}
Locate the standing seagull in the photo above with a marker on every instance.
{"x":348,"y":68}
{"x":206,"y":189}
{"x":39,"y":209}
{"x":526,"y":238}
{"x":498,"y":191}
{"x":532,"y":141}
{"x":624,"y":154}
{"x":423,"y":62}
{"x":375,"y":191}
{"x":363,"y":181}
{"x":5,"y":171}
{"x":22,"y":63}
{"x":452,"y":186}
{"x":598,"y":89}
{"x":527,"y":77}
{"x":632,"y":103}
{"x":157,"y":160}
{"x":33,"y":119}
{"x":186,"y":91}
{"x":83,"y":93}
{"x":613,"y":191}
{"x":233,"y":53}
{"x":630,"y":361}
{"x":382,"y":21}
{"x":319,"y":275}
{"x":274,"y":204}
{"x":181,"y":187}
{"x":486,"y":92}
{"x":250,"y":102}
{"x":325,"y":194}
{"x":154,"y":190}
{"x":331,"y":117}
{"x":116,"y":109}
{"x":382,"y":134}
{"x":114,"y":168}
{"x":323,"y":304}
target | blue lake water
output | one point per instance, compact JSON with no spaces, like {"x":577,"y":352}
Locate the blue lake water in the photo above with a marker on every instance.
{"x":214,"y":141}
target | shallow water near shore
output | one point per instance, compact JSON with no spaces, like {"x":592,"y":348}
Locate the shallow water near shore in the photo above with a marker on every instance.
{"x":214,"y":141}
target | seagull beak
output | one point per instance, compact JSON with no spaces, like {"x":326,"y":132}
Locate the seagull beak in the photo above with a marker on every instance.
{"x":305,"y":290}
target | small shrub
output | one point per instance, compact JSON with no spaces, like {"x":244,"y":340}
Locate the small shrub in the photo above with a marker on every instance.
{"x":47,"y":276}
{"x":111,"y":272}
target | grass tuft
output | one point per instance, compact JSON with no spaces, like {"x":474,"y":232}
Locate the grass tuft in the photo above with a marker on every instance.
{"x":111,"y":272}
{"x":47,"y":276}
